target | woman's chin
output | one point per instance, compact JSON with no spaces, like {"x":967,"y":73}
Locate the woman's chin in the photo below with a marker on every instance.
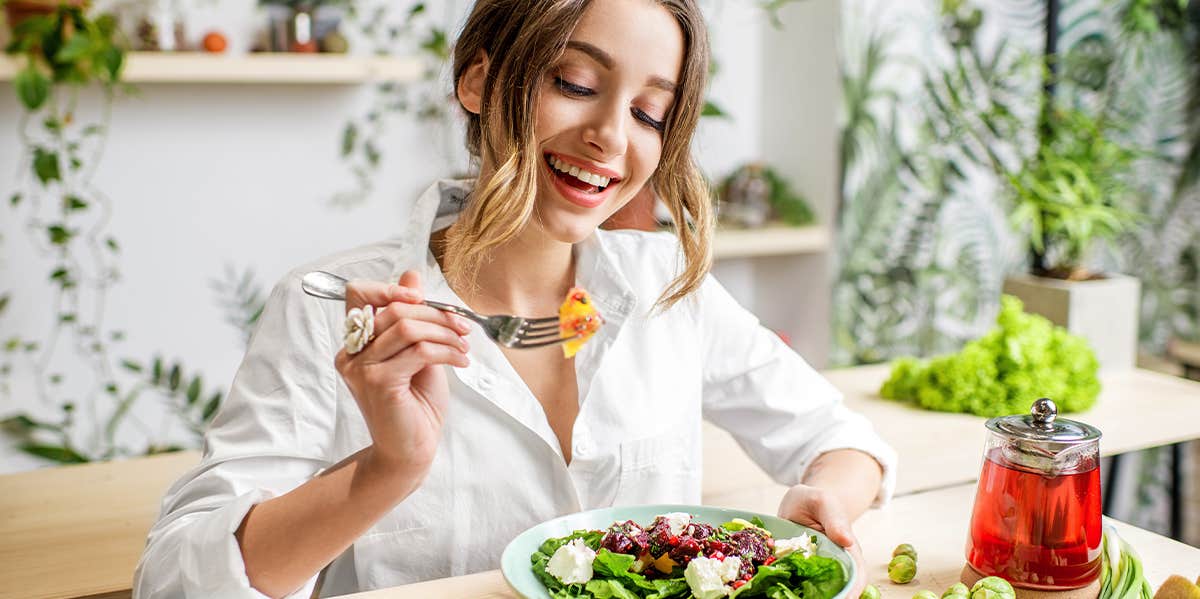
{"x":569,"y":230}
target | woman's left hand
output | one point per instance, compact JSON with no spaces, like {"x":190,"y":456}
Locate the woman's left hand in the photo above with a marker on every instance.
{"x":820,"y":509}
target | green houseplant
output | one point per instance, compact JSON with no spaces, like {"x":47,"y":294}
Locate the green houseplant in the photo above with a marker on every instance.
{"x":1071,"y":194}
{"x":85,"y":392}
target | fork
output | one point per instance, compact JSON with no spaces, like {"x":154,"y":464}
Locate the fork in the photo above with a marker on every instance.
{"x":514,"y":332}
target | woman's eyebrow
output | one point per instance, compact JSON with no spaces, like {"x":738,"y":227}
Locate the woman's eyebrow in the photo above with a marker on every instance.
{"x":606,"y":61}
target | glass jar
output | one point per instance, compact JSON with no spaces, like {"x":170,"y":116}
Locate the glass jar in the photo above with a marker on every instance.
{"x":1037,"y":515}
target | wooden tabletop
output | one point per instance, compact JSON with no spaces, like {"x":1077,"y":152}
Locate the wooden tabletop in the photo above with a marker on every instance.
{"x":1136,"y":409}
{"x":934,"y":522}
{"x":78,"y":531}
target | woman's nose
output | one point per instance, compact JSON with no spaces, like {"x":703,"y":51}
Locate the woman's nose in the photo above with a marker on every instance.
{"x":607,"y":131}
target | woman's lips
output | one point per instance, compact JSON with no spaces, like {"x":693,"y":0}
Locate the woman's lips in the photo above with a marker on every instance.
{"x":573,"y":194}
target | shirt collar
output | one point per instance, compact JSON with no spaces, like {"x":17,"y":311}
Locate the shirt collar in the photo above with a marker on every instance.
{"x":595,"y":270}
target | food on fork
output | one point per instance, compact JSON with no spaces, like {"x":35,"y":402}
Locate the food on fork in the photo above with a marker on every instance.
{"x":578,"y":318}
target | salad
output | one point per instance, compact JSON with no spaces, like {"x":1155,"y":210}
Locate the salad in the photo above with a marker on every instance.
{"x":675,"y":557}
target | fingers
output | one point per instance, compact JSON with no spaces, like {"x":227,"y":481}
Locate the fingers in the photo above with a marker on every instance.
{"x":411,"y":279}
{"x":400,"y":311}
{"x":408,"y":332}
{"x":819,"y":509}
{"x":361,"y":292}
{"x":837,"y":526}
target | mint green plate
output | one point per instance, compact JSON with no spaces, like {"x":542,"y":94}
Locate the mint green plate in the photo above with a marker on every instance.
{"x":518,"y":572}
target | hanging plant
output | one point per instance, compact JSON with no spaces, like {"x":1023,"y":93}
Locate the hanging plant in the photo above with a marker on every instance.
{"x":85,"y":394}
{"x":362,"y":136}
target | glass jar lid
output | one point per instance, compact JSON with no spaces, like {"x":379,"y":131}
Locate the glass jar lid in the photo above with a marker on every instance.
{"x":1042,"y":424}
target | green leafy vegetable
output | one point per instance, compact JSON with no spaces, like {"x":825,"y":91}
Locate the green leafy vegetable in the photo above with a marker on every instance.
{"x":1025,"y":357}
{"x":791,"y":577}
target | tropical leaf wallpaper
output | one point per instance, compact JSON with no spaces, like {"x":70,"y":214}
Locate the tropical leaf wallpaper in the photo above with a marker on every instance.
{"x":942,"y":97}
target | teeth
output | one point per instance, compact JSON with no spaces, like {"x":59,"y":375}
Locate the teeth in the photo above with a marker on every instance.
{"x":583,"y":175}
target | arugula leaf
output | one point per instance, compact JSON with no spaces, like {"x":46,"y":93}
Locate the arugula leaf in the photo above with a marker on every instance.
{"x":616,"y":565}
{"x":764,"y":578}
{"x":758,"y":522}
{"x":819,"y":577}
{"x":609,"y":589}
{"x":780,"y":591}
{"x":591,"y":538}
{"x":670,"y":588}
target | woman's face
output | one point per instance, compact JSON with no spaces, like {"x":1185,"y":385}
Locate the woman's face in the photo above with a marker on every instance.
{"x":601,"y":112}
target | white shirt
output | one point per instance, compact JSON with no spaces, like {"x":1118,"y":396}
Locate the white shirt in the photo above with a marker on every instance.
{"x":645,"y":381}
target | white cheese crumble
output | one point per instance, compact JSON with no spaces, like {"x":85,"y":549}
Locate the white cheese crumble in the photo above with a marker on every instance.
{"x":803,"y":544}
{"x":677,"y":521}
{"x":572,"y":562}
{"x":707,"y":577}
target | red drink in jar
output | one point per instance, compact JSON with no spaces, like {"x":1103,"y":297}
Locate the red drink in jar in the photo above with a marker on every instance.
{"x":1036,"y":529}
{"x":1037,"y":512}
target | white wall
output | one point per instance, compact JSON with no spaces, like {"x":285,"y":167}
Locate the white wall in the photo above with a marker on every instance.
{"x":208,"y":175}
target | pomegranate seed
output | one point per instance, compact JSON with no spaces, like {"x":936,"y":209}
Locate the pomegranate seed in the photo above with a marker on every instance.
{"x":673,"y":540}
{"x":770,"y":560}
{"x":739,"y":584}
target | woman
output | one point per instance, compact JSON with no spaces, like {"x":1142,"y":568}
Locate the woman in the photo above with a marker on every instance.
{"x":421,"y":455}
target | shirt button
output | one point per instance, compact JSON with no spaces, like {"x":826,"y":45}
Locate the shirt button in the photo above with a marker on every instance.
{"x":582,"y":449}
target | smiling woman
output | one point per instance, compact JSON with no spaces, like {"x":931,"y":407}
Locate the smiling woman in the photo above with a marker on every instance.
{"x":597,"y":76}
{"x":421,"y":448}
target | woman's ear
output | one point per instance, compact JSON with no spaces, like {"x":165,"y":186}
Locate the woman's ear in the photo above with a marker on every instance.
{"x":470,"y":85}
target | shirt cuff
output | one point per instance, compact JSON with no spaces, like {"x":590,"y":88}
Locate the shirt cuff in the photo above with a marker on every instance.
{"x":211,"y":560}
{"x":871,"y":445}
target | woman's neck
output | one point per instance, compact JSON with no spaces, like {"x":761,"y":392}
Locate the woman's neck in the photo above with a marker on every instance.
{"x":528,"y":276}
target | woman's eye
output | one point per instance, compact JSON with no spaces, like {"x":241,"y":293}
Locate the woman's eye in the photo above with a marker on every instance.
{"x":645,"y":118}
{"x":571,"y":89}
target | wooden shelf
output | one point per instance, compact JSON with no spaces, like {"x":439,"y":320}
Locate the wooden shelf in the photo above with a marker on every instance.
{"x":264,"y":68}
{"x":770,"y":241}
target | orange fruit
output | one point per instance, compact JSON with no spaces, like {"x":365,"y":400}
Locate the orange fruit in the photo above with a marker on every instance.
{"x":214,"y":41}
{"x":577,"y":317}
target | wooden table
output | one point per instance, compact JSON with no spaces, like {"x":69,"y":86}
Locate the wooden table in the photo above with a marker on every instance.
{"x":934,"y":522}
{"x":1136,"y":409}
{"x":78,"y":531}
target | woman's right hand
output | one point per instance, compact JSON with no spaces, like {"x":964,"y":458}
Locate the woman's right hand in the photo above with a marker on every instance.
{"x":397,"y":379}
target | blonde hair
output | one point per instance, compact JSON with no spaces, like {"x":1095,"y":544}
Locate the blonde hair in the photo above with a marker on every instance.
{"x":523,"y":39}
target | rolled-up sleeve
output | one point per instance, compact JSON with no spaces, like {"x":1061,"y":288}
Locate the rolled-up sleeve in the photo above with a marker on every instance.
{"x":271,"y":434}
{"x":781,"y":411}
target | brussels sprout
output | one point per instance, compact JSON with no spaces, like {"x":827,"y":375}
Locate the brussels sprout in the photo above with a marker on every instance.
{"x":871,"y":592}
{"x":902,"y":569}
{"x":905,"y":549}
{"x":992,"y":587}
{"x":958,"y":591}
{"x":923,"y":594}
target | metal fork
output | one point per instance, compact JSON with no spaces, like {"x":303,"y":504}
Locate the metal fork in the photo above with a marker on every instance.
{"x":509,"y":331}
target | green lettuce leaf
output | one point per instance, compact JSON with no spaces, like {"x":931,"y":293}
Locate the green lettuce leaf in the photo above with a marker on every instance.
{"x":780,"y":591}
{"x":616,"y":565}
{"x":817,"y":577}
{"x":764,"y":578}
{"x":609,"y":589}
{"x":591,"y":538}
{"x":670,"y":588}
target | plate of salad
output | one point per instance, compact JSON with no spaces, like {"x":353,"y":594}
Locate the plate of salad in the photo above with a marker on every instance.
{"x":675,"y":552}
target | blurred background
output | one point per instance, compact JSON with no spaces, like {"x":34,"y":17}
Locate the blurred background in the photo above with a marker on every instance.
{"x":884,"y":170}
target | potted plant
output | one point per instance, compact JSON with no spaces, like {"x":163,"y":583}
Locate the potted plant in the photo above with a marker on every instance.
{"x":1069,"y":195}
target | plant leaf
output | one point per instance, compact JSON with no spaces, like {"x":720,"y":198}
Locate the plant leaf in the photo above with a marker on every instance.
{"x":57,"y":453}
{"x":711,"y":109}
{"x":45,"y":165}
{"x":32,"y":87}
